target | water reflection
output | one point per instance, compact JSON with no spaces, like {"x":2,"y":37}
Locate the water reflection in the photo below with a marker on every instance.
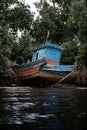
{"x":43,"y":108}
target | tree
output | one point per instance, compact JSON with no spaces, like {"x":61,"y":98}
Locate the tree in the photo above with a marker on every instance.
{"x":20,"y":17}
{"x":6,"y":41}
{"x":5,"y":9}
{"x":52,"y":17}
{"x":70,"y":52}
{"x":78,"y":21}
{"x":14,"y":16}
{"x":21,"y":50}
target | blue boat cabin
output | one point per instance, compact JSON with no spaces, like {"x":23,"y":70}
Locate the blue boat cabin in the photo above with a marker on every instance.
{"x":50,"y":51}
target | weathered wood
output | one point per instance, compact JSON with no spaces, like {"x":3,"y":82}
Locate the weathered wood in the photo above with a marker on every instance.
{"x":67,"y":76}
{"x":79,"y":78}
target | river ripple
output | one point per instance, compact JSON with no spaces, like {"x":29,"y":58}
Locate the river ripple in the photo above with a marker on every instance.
{"x":43,"y":108}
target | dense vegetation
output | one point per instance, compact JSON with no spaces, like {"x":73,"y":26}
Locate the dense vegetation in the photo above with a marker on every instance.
{"x":66,"y":21}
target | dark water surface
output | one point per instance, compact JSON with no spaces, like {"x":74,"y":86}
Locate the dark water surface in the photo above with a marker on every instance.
{"x":26,"y":108}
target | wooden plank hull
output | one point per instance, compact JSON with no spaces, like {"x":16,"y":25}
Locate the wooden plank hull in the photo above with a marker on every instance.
{"x":40,"y":69}
{"x":29,"y":70}
{"x":55,"y":72}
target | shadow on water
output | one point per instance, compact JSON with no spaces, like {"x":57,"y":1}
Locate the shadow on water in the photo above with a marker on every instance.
{"x":43,"y":108}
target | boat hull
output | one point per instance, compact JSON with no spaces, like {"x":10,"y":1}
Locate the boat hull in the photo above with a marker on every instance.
{"x":40,"y":72}
{"x":29,"y":70}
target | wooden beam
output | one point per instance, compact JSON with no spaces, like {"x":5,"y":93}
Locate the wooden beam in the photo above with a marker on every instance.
{"x":67,"y":76}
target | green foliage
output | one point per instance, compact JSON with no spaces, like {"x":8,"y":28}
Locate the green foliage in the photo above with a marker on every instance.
{"x":20,"y":17}
{"x":78,"y":21}
{"x":6,"y":41}
{"x":69,"y":53}
{"x":5,"y":10}
{"x":14,"y":16}
{"x":46,"y":21}
{"x":52,"y":18}
{"x":21,"y":51}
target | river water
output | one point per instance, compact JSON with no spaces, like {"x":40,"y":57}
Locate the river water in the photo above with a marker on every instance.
{"x":29,"y":108}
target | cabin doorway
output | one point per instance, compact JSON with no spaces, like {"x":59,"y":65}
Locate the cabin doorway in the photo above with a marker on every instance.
{"x":37,"y":55}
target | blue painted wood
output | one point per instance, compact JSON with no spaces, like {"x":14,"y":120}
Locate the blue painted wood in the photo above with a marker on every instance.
{"x":50,"y":51}
{"x":61,"y":70}
{"x":29,"y":65}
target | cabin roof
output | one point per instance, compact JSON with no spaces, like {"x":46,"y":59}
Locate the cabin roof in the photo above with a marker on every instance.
{"x":48,"y":45}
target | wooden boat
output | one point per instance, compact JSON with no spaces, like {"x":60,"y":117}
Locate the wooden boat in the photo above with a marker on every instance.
{"x":45,"y":66}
